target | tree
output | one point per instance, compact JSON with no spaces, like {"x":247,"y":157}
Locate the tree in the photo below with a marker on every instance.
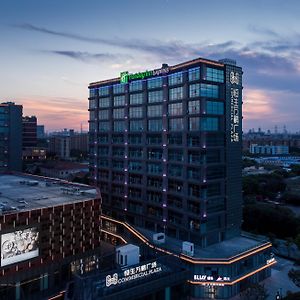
{"x":255,"y":292}
{"x":289,"y":242}
{"x":297,"y":240}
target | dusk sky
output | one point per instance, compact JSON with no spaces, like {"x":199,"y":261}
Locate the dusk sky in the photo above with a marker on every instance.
{"x":51,"y":50}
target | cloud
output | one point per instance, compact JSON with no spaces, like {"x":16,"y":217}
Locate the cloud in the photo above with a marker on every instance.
{"x":86,"y":56}
{"x":56,"y":112}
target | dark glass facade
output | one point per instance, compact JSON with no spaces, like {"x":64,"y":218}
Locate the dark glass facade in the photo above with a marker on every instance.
{"x":166,"y":151}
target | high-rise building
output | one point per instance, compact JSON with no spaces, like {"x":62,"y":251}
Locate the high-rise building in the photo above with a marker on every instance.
{"x":40,"y":131}
{"x":165,"y":148}
{"x":29,"y":132}
{"x":10,"y":137}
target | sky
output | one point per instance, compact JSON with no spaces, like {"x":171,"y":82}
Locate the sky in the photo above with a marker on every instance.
{"x":51,"y":50}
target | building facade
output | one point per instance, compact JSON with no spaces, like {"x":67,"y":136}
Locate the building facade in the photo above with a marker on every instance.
{"x":29,"y":132}
{"x":49,"y":229}
{"x":269,"y":149}
{"x":10,"y":137}
{"x":165,"y":148}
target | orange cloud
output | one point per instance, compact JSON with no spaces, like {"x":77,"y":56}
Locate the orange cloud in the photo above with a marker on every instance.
{"x":57,"y":112}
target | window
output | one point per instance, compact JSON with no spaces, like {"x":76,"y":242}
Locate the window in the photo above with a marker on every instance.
{"x":154,"y":197}
{"x":154,"y":139}
{"x":103,"y":139}
{"x":103,"y":162}
{"x":117,"y":151}
{"x":194,"y":123}
{"x":175,"y":109}
{"x":175,"y":155}
{"x":118,"y":113}
{"x":214,"y":140}
{"x":154,"y":111}
{"x":103,"y":151}
{"x":176,"y":78}
{"x":135,"y":166}
{"x":176,"y":124}
{"x":136,"y":112}
{"x":193,"y":173}
{"x":136,"y":125}
{"x":194,"y":190}
{"x":117,"y":139}
{"x":194,"y":107}
{"x":214,"y":108}
{"x":154,"y":168}
{"x":93,"y":93}
{"x":119,"y":126}
{"x":93,"y":103}
{"x":214,"y":75}
{"x":194,"y":74}
{"x":155,"y":154}
{"x":135,"y":152}
{"x":136,"y":98}
{"x":135,"y":179}
{"x":194,"y":90}
{"x":119,"y":100}
{"x":154,"y":83}
{"x":213,"y":156}
{"x":135,"y":86}
{"x":119,"y":88}
{"x":135,"y":139}
{"x":209,"y":124}
{"x":155,"y":125}
{"x":209,"y":90}
{"x":118,"y":164}
{"x":103,"y":126}
{"x":104,"y":91}
{"x":175,"y":139}
{"x":175,"y":170}
{"x":194,"y":141}
{"x":175,"y":186}
{"x":155,"y":96}
{"x":117,"y":177}
{"x":154,"y":182}
{"x":195,"y":157}
{"x":104,"y":102}
{"x":176,"y":93}
{"x":103,"y":114}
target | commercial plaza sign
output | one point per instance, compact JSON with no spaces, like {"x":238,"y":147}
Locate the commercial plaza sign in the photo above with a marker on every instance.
{"x":133,"y":274}
{"x":125,"y":77}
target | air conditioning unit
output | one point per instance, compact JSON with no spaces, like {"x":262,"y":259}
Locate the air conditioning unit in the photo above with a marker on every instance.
{"x":159,"y":238}
{"x":188,"y":248}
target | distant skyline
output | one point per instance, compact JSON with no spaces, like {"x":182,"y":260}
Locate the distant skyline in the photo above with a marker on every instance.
{"x":51,"y":50}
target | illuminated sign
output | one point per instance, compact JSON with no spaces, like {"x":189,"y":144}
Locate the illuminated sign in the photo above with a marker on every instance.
{"x":211,"y":278}
{"x":19,"y":245}
{"x":132,"y":274}
{"x":125,"y":77}
{"x":234,"y":115}
{"x":234,"y":78}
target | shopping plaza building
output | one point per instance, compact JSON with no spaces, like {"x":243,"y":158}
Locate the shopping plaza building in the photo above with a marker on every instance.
{"x":165,"y":151}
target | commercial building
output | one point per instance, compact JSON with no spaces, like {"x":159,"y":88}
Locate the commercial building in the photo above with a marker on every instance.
{"x":10,"y":137}
{"x":49,"y":230}
{"x":29,"y":132}
{"x":165,"y":148}
{"x":40,"y":131}
{"x":269,"y":149}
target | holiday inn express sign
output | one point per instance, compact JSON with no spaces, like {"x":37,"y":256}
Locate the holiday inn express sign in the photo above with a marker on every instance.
{"x":125,"y":77}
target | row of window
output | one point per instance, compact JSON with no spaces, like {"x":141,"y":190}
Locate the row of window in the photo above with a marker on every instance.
{"x":175,"y":124}
{"x":212,"y":74}
{"x":195,"y":90}
{"x":174,"y":109}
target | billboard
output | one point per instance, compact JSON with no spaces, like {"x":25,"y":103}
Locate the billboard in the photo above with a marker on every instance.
{"x":19,"y":245}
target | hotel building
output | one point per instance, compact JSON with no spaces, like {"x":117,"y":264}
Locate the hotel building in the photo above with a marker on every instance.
{"x":165,"y":149}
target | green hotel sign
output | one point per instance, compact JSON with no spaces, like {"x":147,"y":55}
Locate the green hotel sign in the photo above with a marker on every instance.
{"x":125,"y":77}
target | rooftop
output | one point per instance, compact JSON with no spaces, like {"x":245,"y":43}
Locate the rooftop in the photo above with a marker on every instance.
{"x":224,"y":250}
{"x":25,"y":192}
